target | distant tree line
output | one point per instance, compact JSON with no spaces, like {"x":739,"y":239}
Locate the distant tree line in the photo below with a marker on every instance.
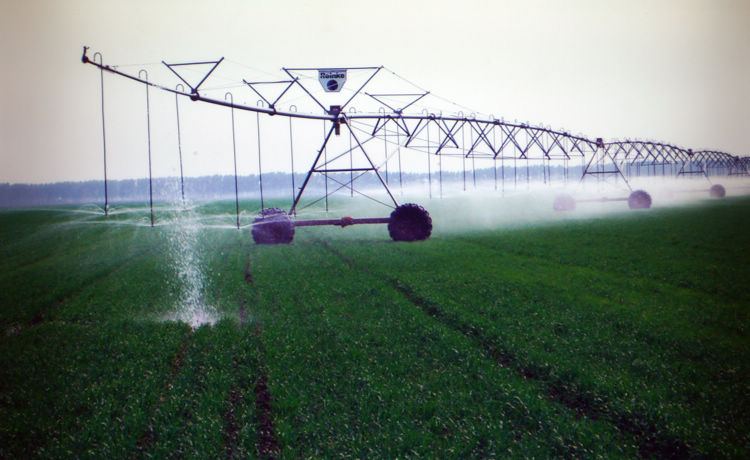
{"x":219,"y":187}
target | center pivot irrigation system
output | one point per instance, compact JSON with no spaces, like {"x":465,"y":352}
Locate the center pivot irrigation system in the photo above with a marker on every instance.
{"x":366,"y":109}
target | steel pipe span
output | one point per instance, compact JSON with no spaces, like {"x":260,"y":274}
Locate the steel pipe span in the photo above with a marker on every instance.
{"x":432,"y":133}
{"x":494,"y":138}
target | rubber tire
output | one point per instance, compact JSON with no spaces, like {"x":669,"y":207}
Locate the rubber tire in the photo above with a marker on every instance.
{"x":717,"y":191}
{"x":273,"y":226}
{"x":639,"y":199}
{"x":410,"y":222}
{"x":564,"y":202}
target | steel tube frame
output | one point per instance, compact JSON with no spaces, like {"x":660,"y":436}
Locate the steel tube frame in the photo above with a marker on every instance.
{"x":540,"y":143}
{"x":179,"y":144}
{"x":104,"y":133}
{"x":234,"y":154}
{"x":148,"y":133}
{"x":343,"y":222}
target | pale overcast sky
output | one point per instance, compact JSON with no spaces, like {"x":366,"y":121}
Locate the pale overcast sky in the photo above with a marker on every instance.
{"x":676,"y":71}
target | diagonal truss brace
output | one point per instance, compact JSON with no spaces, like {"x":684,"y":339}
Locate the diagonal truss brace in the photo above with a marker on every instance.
{"x":601,"y":154}
{"x":692,"y":161}
{"x":322,"y":168}
{"x":271,"y":105}
{"x":193,"y":89}
{"x":289,"y":71}
{"x":400,"y":110}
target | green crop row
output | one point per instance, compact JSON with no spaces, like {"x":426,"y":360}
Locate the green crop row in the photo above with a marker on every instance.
{"x":657,"y":359}
{"x":75,"y":390}
{"x":91,"y":363}
{"x":357,"y":371}
{"x":608,"y":337}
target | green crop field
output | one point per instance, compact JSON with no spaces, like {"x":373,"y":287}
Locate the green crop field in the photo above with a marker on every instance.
{"x":622,"y":335}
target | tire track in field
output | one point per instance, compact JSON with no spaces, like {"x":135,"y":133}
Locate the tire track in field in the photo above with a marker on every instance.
{"x":243,"y":314}
{"x":236,"y":398}
{"x":231,"y":434}
{"x":248,"y":268}
{"x":148,"y":437}
{"x":267,"y":446}
{"x":652,"y":442}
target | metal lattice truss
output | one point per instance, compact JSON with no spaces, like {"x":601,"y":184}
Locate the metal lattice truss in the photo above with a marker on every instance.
{"x":471,"y":137}
{"x":721,"y":162}
{"x":394,"y":117}
{"x":618,"y":157}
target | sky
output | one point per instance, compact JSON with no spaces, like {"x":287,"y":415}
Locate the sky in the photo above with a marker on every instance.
{"x":675,"y":71}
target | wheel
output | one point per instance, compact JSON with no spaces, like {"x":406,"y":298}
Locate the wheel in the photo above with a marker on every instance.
{"x":273,"y":226}
{"x":717,"y":191}
{"x":410,"y":222}
{"x":639,"y":199}
{"x":564,"y":202}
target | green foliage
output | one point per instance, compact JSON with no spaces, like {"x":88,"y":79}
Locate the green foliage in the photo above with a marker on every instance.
{"x":607,"y":337}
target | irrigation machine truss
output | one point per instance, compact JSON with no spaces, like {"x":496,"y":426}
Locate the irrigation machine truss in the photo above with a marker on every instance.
{"x":395,"y":120}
